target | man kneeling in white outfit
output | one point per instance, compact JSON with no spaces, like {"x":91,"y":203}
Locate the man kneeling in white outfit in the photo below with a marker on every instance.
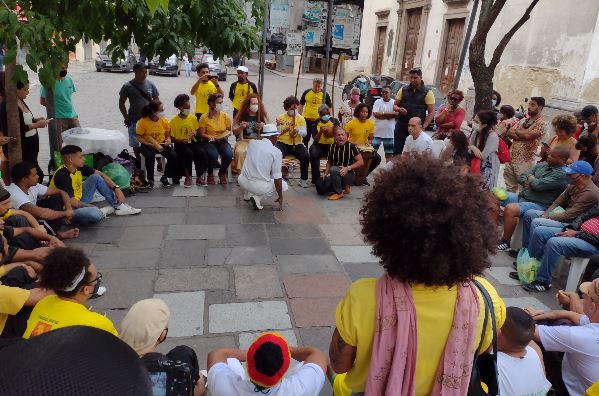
{"x":261,"y":173}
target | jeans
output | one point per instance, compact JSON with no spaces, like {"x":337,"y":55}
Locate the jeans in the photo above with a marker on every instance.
{"x":532,"y":220}
{"x":133,"y":142}
{"x":188,"y":154}
{"x":149,"y":154}
{"x":335,"y":182}
{"x":311,"y":132}
{"x":92,"y":214}
{"x":213,"y":150}
{"x":523,"y":205}
{"x":300,"y":152}
{"x":317,"y":150}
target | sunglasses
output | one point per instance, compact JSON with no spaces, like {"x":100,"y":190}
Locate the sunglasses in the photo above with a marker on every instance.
{"x":454,"y":99}
{"x":98,"y":279}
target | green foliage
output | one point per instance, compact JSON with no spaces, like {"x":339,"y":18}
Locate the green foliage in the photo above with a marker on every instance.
{"x":49,"y":29}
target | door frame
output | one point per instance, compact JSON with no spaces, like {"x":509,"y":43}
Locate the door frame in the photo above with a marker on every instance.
{"x":457,"y":13}
{"x":402,"y":31}
{"x":379,"y":25}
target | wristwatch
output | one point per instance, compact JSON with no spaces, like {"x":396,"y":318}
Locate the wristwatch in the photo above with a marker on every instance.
{"x":115,"y":187}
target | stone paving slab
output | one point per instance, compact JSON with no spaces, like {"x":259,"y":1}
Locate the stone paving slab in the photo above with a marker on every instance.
{"x":318,"y":337}
{"x":150,"y":200}
{"x":243,"y":255}
{"x":308,"y":263}
{"x":354,"y":254}
{"x":213,"y":231}
{"x":125,"y":287}
{"x":502,"y":275}
{"x":125,"y":259}
{"x":202,"y":345}
{"x":187,"y":313}
{"x":257,"y":281}
{"x":100,"y":235}
{"x":310,"y":312}
{"x":357,"y":271}
{"x":183,"y":254}
{"x":264,"y":216}
{"x":246,"y":235}
{"x":191,"y":279}
{"x":246,"y":339}
{"x":146,"y":219}
{"x":142,"y":237}
{"x":238,"y":317}
{"x":193,"y":191}
{"x":211,"y":201}
{"x":343,"y":215}
{"x":341,"y":234}
{"x":316,"y":285}
{"x":301,"y":210}
{"x":217,"y":256}
{"x":293,"y":231}
{"x":524,"y":302}
{"x":299,"y":246}
{"x":213,"y":216}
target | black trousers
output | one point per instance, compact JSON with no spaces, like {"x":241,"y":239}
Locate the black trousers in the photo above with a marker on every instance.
{"x":149,"y":154}
{"x":300,"y":152}
{"x":334,"y":182}
{"x":188,"y":154}
{"x":17,"y":324}
{"x":23,"y":241}
{"x":317,"y":150}
{"x":53,"y":202}
{"x":376,"y":161}
{"x":312,"y":131}
{"x":400,"y":136}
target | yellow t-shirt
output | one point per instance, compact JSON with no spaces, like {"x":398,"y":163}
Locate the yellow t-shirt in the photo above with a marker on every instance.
{"x":313,"y":102}
{"x":12,"y":300}
{"x":217,"y":125}
{"x":202,"y":93}
{"x":429,"y":99}
{"x":184,"y":128}
{"x":323,"y":139}
{"x":241,"y":91}
{"x":52,"y":312}
{"x":155,"y":129}
{"x":593,"y":390}
{"x":286,"y":123}
{"x":355,"y":320}
{"x":359,"y":132}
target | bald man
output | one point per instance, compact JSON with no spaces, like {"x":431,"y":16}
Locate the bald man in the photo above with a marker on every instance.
{"x":419,"y":142}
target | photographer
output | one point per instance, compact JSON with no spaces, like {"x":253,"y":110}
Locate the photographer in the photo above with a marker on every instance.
{"x":144,"y":328}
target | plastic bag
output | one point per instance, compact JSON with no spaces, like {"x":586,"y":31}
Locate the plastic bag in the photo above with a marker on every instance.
{"x":527,"y":267}
{"x":118,"y":174}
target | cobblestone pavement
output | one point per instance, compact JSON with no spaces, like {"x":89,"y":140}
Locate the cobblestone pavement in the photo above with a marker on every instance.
{"x":225,"y":270}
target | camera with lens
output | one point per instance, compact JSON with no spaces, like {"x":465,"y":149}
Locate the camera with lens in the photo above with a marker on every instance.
{"x":168,"y":377}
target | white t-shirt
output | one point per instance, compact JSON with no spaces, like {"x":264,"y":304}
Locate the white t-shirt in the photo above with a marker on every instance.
{"x":263,"y":161}
{"x":521,"y":376}
{"x":580,"y":366}
{"x":231,"y":380}
{"x":423,"y":144}
{"x":18,"y":198}
{"x":383,"y":128}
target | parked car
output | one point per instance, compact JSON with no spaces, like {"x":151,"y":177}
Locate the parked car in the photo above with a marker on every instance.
{"x":217,"y":66}
{"x":439,"y":98}
{"x":374,"y":83}
{"x":170,"y":66}
{"x":104,"y":62}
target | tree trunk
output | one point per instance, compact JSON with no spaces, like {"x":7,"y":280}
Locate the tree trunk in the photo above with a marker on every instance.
{"x":52,"y":135}
{"x":12,"y":117}
{"x":482,"y":77}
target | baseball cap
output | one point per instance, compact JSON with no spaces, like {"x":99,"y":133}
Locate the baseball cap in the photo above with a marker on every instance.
{"x":139,"y":65}
{"x":580,"y":167}
{"x":591,"y":289}
{"x":268,"y":359}
{"x":243,"y":69}
{"x":269,"y":130}
{"x":144,"y":323}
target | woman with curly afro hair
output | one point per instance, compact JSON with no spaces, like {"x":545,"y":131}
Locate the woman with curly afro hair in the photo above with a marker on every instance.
{"x":74,"y":280}
{"x":431,"y":230}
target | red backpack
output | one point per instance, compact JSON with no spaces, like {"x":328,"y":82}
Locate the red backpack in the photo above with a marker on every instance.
{"x":503,"y":152}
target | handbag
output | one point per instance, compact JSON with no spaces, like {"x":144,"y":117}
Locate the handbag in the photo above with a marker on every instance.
{"x":503,"y":152}
{"x":475,"y":165}
{"x":484,"y":367}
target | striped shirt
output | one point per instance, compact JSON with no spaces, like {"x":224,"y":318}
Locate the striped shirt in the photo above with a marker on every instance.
{"x":342,"y":155}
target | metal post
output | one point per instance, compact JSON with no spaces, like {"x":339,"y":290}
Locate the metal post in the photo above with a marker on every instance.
{"x":458,"y":75}
{"x":327,"y":50}
{"x":263,"y":54}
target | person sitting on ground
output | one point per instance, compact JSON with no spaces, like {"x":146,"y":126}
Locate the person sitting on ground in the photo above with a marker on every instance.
{"x":580,"y":364}
{"x":153,"y":134}
{"x":183,"y":131}
{"x":541,"y":186}
{"x":519,"y":359}
{"x":325,"y":136}
{"x":418,"y":141}
{"x":580,"y":196}
{"x":215,"y":129}
{"x":145,"y":326}
{"x":346,"y":111}
{"x":69,"y":178}
{"x":450,"y":115}
{"x":292,"y":128}
{"x":564,"y":126}
{"x":268,"y":359}
{"x":15,"y":307}
{"x":590,"y":114}
{"x":422,"y":289}
{"x":74,"y":279}
{"x":44,"y":203}
{"x":360,"y":131}
{"x":384,"y":123}
{"x":261,"y":175}
{"x":246,"y":126}
{"x":343,"y":160}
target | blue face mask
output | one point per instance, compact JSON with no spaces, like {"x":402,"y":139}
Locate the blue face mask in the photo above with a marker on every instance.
{"x":493,"y":102}
{"x":325,"y":118}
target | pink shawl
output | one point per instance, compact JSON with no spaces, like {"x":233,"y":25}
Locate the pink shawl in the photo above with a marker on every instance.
{"x":394,"y":349}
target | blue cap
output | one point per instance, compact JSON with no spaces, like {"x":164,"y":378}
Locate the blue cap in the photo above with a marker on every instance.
{"x":580,"y":167}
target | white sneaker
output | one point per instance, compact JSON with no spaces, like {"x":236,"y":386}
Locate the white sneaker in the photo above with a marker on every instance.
{"x":303,"y":183}
{"x":246,"y":196}
{"x":125,"y":210}
{"x":256,"y":202}
{"x":107,"y":210}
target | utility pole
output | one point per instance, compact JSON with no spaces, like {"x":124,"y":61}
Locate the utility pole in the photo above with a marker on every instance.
{"x":327,"y":50}
{"x":265,"y":24}
{"x":12,"y":116}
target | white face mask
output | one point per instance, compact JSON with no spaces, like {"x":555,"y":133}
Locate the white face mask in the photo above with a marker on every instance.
{"x":160,"y":114}
{"x":185,"y":112}
{"x":219,"y":107}
{"x":475,"y":126}
{"x":291,"y":113}
{"x":254,"y":108}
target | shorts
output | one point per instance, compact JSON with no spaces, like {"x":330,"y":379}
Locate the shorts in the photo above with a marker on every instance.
{"x":523,"y":205}
{"x":388,"y":144}
{"x":133,"y":142}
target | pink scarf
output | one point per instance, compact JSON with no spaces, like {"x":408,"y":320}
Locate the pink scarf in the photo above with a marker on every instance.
{"x":394,"y":349}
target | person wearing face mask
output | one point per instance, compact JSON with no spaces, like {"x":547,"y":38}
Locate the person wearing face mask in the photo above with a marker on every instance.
{"x":74,"y":279}
{"x":484,"y":145}
{"x":527,"y":134}
{"x":65,"y":115}
{"x":346,"y":112}
{"x":153,"y":133}
{"x":292,"y":128}
{"x":241,"y":88}
{"x":309,"y":102}
{"x":590,"y":114}
{"x":323,"y":139}
{"x":215,"y":129}
{"x":184,"y":129}
{"x":495,"y":100}
{"x":247,"y":125}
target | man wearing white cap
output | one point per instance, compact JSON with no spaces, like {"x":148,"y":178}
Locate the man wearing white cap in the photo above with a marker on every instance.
{"x":261,"y":173}
{"x":241,"y":88}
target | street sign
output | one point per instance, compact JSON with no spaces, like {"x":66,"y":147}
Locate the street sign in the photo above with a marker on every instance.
{"x":294,"y":44}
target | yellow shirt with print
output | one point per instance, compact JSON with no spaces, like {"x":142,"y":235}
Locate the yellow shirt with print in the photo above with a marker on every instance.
{"x":359,"y":132}
{"x":241,"y":91}
{"x":155,"y":129}
{"x":12,"y":300}
{"x":323,"y":139}
{"x":355,"y":320}
{"x":429,"y":99}
{"x":215,"y":126}
{"x":313,"y":102}
{"x":285,"y":126}
{"x":205,"y":89}
{"x":184,"y":129}
{"x":52,"y":312}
